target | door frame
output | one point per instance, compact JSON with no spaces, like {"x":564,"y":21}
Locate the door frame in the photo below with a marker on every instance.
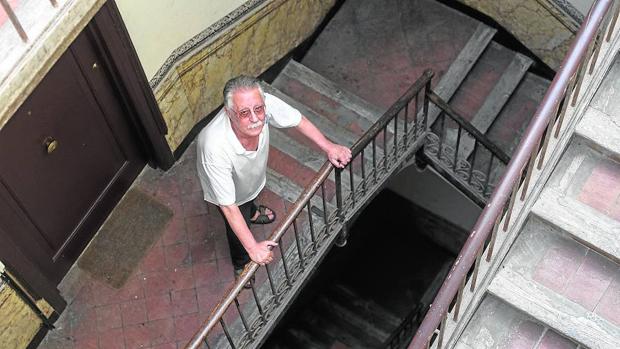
{"x":112,"y":39}
{"x":135,"y":95}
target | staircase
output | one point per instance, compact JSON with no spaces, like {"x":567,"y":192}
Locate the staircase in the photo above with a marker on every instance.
{"x":340,"y":318}
{"x":467,"y":144}
{"x":561,"y":278}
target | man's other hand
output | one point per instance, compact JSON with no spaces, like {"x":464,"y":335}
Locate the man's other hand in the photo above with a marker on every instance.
{"x":261,"y":252}
{"x":339,"y":155}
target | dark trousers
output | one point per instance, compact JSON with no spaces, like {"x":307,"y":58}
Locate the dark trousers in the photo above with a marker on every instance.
{"x":238,"y":254}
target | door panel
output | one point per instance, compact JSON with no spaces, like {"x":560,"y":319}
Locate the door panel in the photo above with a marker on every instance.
{"x":68,"y":155}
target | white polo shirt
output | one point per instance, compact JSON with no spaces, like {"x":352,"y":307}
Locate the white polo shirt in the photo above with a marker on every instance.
{"x":230,"y":174}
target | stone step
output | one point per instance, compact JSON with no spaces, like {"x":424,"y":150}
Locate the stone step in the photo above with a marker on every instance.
{"x":351,"y":322}
{"x":582,"y":222}
{"x":515,"y":116}
{"x":505,"y":327}
{"x":329,"y":98}
{"x":332,"y":130}
{"x":366,"y":308}
{"x":482,"y":79}
{"x":306,"y":155}
{"x":601,"y":123}
{"x":562,"y":284}
{"x":487,"y":89}
{"x":581,"y":198}
{"x":461,"y":66}
{"x":330,"y":329}
{"x":298,"y":337}
{"x":602,"y":131}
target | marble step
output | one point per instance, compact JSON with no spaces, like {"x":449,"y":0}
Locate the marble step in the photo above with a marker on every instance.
{"x":581,"y":221}
{"x":581,"y":198}
{"x":602,"y":131}
{"x":496,"y":324}
{"x":460,"y":67}
{"x":305,"y":155}
{"x":330,"y":329}
{"x":332,"y":130}
{"x":298,"y":337}
{"x":492,"y":81}
{"x":369,"y":309}
{"x":368,"y":112}
{"x":562,"y":284}
{"x":351,"y":322}
{"x":601,"y":123}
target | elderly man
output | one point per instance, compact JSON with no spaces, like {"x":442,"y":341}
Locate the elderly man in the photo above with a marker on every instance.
{"x":232,"y":162}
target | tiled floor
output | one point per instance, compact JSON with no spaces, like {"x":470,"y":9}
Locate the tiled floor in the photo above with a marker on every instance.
{"x":174,"y":289}
{"x":582,"y":276}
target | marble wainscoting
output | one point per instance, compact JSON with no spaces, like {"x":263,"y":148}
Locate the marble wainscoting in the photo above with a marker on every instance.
{"x":546,"y":27}
{"x":191,"y":87}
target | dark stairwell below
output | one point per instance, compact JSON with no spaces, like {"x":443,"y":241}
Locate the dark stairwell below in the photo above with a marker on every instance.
{"x":361,"y":293}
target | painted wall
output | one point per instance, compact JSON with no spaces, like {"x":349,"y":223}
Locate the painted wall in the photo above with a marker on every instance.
{"x":541,"y":25}
{"x":158,"y":27}
{"x":191,"y":87}
{"x":427,"y":189}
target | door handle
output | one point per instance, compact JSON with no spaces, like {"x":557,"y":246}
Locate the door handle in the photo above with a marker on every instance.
{"x":50,"y":144}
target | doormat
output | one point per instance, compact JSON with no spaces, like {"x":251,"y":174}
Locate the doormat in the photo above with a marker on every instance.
{"x":124,"y":238}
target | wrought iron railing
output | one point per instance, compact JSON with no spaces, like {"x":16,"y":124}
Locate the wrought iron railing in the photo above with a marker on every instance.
{"x":470,"y":161}
{"x":546,"y":124}
{"x":315,"y":222}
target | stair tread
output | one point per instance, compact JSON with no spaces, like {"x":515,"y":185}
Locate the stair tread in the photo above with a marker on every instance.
{"x":354,"y":321}
{"x":501,"y":92}
{"x":300,"y":338}
{"x":562,"y":284}
{"x":461,"y":66}
{"x":515,"y":116}
{"x":365,"y":307}
{"x":331,"y":129}
{"x":551,"y":309}
{"x":333,"y":330}
{"x":581,"y":221}
{"x":601,"y":130}
{"x":497,"y":98}
{"x":326,"y":87}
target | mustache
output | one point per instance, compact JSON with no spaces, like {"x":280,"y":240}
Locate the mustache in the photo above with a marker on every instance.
{"x":255,"y":125}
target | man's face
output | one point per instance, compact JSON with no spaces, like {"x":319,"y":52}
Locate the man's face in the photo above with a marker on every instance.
{"x":247,"y":114}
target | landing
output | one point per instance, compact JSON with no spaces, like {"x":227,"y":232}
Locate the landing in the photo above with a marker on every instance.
{"x":377,"y":49}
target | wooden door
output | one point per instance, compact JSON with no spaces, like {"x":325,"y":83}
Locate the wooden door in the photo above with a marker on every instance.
{"x":68,"y":155}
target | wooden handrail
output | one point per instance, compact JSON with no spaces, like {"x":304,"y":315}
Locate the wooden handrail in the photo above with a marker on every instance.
{"x":578,"y":54}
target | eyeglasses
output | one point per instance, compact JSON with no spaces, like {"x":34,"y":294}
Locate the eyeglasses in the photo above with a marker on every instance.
{"x":259,"y":111}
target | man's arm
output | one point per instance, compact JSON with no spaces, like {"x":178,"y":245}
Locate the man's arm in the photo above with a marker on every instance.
{"x":259,"y":251}
{"x":337,"y":154}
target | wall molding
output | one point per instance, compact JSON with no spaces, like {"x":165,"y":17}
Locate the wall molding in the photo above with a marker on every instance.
{"x":203,"y":37}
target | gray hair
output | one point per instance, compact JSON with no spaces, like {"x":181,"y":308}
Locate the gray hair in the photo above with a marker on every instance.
{"x":241,"y":82}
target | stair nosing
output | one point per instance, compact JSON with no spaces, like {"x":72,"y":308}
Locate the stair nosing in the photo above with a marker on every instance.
{"x":580,"y":221}
{"x":489,"y":111}
{"x":477,"y":43}
{"x":326,"y":87}
{"x":569,"y":319}
{"x":600,"y":131}
{"x":331,"y":129}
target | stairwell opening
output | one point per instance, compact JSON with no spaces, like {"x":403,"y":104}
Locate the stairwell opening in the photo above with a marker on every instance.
{"x":361,"y":293}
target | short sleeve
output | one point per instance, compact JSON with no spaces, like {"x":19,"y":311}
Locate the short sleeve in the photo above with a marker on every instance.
{"x":281,"y":114}
{"x":220,"y":181}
